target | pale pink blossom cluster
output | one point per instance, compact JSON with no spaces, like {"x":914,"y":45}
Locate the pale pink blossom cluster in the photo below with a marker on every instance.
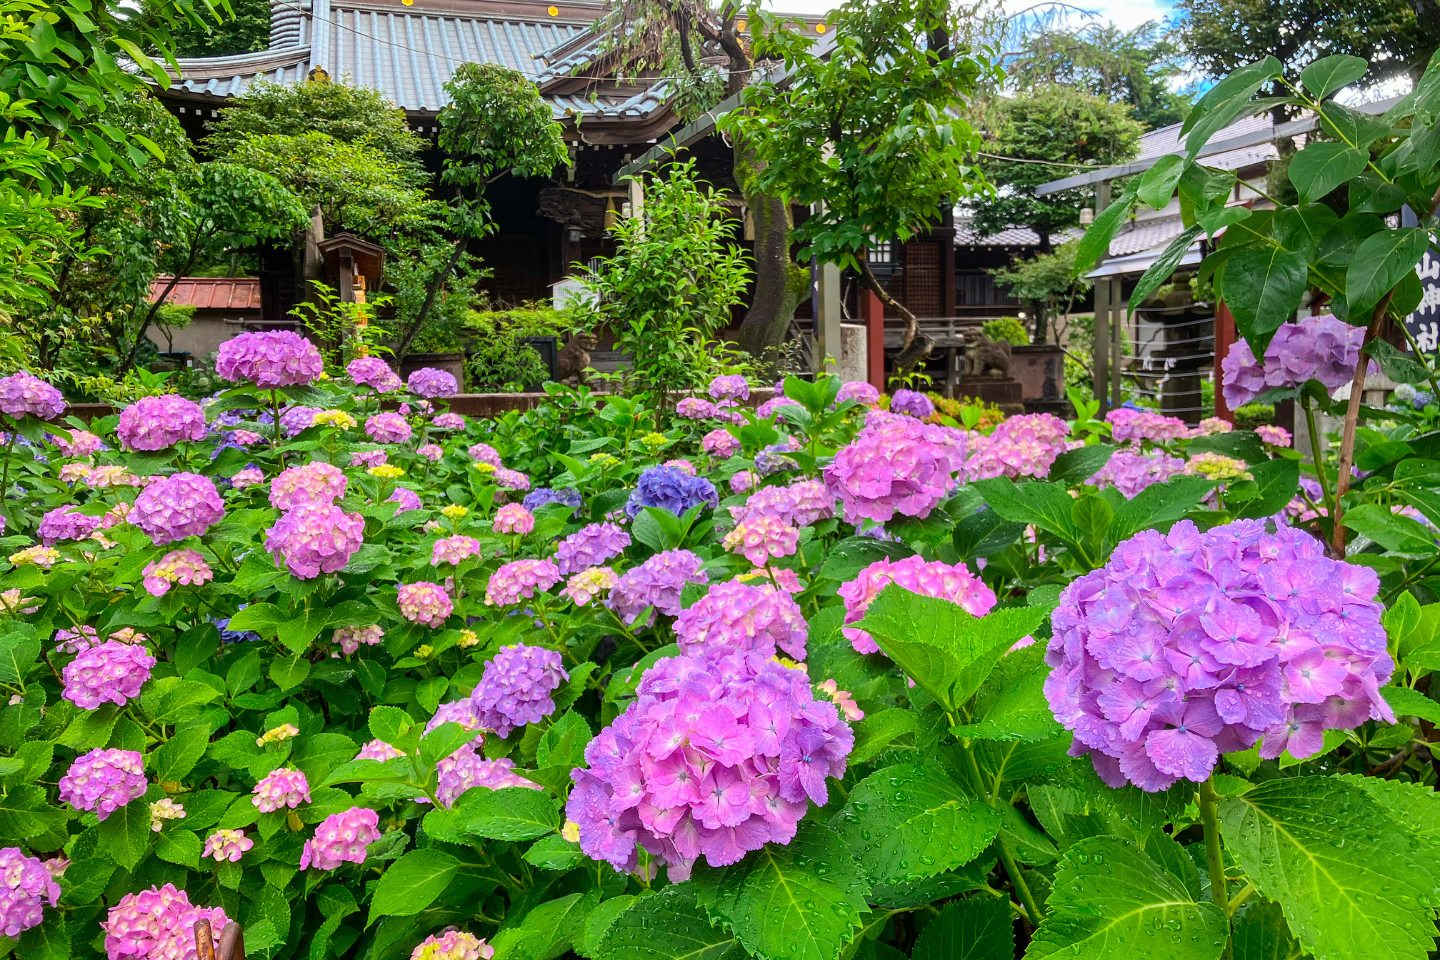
{"x":424,"y":603}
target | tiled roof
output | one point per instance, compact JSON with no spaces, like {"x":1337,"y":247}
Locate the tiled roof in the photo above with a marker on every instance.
{"x":210,"y":293}
{"x":409,"y":51}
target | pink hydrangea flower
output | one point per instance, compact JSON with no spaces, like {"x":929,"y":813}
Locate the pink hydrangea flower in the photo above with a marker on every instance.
{"x":520,"y":580}
{"x":407,"y":498}
{"x":694,"y":408}
{"x":368,"y":458}
{"x":1128,"y":424}
{"x":185,"y":567}
{"x":272,"y":359}
{"x":27,"y":887}
{"x":315,"y":538}
{"x":859,"y":391}
{"x":730,"y":386}
{"x":762,"y":538}
{"x":283,"y":788}
{"x":158,"y":924}
{"x":942,"y":581}
{"x":430,"y":451}
{"x":720,"y":444}
{"x":715,"y":757}
{"x":513,"y":519}
{"x":178,"y":506}
{"x":247,"y":477}
{"x":454,"y":550}
{"x":79,"y":443}
{"x":110,"y":672}
{"x":511,"y":479}
{"x":467,"y":768}
{"x":747,"y":617}
{"x":895,"y":465}
{"x":1024,"y":446}
{"x":452,"y":945}
{"x":104,"y":781}
{"x":743,"y":481}
{"x":1274,"y":435}
{"x":227,"y":846}
{"x":341,"y":838}
{"x":351,"y":639}
{"x":587,"y":585}
{"x":484,"y":453}
{"x":800,"y":503}
{"x":1130,"y":471}
{"x":424,"y":603}
{"x":379,"y":751}
{"x":388,"y":428}
{"x":316,"y":482}
{"x":73,"y":641}
{"x":157,"y":423}
{"x":448,"y":421}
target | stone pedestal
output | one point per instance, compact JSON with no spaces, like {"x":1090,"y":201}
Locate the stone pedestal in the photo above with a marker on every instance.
{"x":1040,"y":368}
{"x":854,"y":355}
{"x":1002,"y":391}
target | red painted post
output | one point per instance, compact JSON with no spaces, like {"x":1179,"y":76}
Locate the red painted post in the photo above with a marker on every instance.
{"x":872,"y":311}
{"x":1225,"y":337}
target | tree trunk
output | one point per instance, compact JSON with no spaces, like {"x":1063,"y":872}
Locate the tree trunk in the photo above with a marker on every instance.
{"x":914,"y":346}
{"x":772,"y":306}
{"x":432,"y":292}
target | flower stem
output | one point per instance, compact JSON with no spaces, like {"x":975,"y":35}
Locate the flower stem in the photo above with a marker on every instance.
{"x":1317,"y":455}
{"x":1022,"y":889}
{"x":1214,"y":856}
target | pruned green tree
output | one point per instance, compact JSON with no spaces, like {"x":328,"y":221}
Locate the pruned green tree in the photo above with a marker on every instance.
{"x":243,"y":26}
{"x":674,"y":279}
{"x":871,"y":128}
{"x":495,"y":125}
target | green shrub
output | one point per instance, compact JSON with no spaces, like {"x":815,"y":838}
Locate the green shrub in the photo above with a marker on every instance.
{"x":497,"y":356}
{"x":1010,"y":329}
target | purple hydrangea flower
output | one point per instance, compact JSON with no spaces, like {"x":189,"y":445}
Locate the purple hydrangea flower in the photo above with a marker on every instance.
{"x":374,"y":373}
{"x":591,"y":546}
{"x":467,"y":768}
{"x":341,"y":838}
{"x":672,"y":489}
{"x":158,"y":924}
{"x":655,"y":584}
{"x":315,"y":538}
{"x":730,"y":386}
{"x":694,"y":408}
{"x":715,"y":757}
{"x":178,"y":506}
{"x":66,"y":523}
{"x":23,"y":394}
{"x":1319,"y":348}
{"x":912,"y":403}
{"x":430,"y":383}
{"x":407,"y":498}
{"x":103,"y":781}
{"x":1188,"y":645}
{"x":801,"y":503}
{"x":516,"y":688}
{"x":27,"y":887}
{"x":720,"y":443}
{"x":942,"y":581}
{"x":275,"y":358}
{"x":540,"y":496}
{"x":158,"y":423}
{"x":484,"y":453}
{"x":1130,"y":471}
{"x":448,"y":421}
{"x":745,"y":617}
{"x":110,"y":672}
{"x":295,"y":419}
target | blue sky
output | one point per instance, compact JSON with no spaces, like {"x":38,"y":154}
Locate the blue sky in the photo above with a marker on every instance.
{"x":1125,"y":14}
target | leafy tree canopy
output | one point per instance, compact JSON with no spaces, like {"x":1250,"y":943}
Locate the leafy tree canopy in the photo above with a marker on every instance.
{"x":244,"y":29}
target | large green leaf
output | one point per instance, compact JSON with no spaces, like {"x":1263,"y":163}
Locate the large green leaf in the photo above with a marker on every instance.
{"x":1400,"y":536}
{"x":1012,"y":705}
{"x":667,"y":926}
{"x":125,"y":834}
{"x":1381,"y":261}
{"x":1164,"y":265}
{"x":1261,"y":934}
{"x":546,"y":931}
{"x":1113,"y":902}
{"x":514,"y":813}
{"x":1095,"y":244}
{"x":911,"y":821}
{"x":178,"y":755}
{"x":800,"y":901}
{"x":976,"y":928}
{"x":1330,"y":74}
{"x":1262,"y":284}
{"x":1352,"y":884}
{"x":1046,"y":505}
{"x":412,"y":883}
{"x":1322,"y":166}
{"x":19,"y":649}
{"x":945,"y":649}
{"x":1158,"y":505}
{"x":1225,"y":101}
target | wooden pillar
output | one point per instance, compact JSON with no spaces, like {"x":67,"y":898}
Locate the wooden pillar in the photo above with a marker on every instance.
{"x":872,"y":312}
{"x":1119,"y":317}
{"x":1225,"y":337}
{"x":1100,"y":341}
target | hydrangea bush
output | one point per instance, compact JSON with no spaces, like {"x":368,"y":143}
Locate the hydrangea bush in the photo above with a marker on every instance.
{"x":815,"y":681}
